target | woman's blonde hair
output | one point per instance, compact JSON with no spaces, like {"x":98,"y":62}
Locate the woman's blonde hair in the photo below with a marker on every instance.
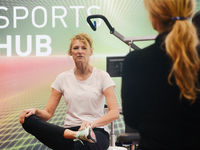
{"x":83,"y":37}
{"x":180,"y":43}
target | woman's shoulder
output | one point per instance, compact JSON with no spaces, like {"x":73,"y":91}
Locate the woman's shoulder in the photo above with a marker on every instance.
{"x":99,"y":71}
{"x":148,"y":53}
{"x":65,"y":73}
{"x":140,"y":54}
{"x":100,"y":74}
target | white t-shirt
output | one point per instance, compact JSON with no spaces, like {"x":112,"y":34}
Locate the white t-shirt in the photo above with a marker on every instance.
{"x":84,"y":99}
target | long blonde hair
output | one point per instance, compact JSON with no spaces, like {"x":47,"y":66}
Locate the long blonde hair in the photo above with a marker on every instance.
{"x":180,"y":43}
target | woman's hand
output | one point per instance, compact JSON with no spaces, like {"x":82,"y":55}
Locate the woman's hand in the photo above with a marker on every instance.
{"x":26,"y":113}
{"x":46,"y":113}
{"x":85,"y":124}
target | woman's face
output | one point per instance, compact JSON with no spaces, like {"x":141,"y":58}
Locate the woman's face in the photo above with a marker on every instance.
{"x":80,"y":52}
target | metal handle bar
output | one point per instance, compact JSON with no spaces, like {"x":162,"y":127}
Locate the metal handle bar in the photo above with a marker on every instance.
{"x":127,"y":40}
{"x":103,"y":18}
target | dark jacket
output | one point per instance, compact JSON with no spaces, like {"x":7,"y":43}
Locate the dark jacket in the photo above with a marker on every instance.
{"x":153,"y":106}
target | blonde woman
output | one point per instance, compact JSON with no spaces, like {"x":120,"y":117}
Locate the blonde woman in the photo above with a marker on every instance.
{"x":84,"y":89}
{"x":160,"y":83}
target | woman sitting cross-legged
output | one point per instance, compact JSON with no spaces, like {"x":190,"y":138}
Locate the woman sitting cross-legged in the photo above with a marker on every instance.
{"x":85,"y":89}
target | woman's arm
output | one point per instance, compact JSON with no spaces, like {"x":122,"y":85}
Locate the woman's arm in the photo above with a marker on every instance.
{"x":113,"y":110}
{"x":49,"y":110}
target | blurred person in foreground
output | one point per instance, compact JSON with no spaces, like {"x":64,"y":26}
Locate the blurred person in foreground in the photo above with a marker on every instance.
{"x":160,"y":83}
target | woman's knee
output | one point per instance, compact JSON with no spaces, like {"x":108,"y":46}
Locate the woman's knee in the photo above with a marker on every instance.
{"x":28,"y":122}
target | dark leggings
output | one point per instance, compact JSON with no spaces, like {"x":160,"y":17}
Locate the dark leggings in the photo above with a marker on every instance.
{"x":52,"y":136}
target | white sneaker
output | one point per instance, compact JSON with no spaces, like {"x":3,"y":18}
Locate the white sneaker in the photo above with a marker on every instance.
{"x":87,"y":134}
{"x":90,"y":135}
